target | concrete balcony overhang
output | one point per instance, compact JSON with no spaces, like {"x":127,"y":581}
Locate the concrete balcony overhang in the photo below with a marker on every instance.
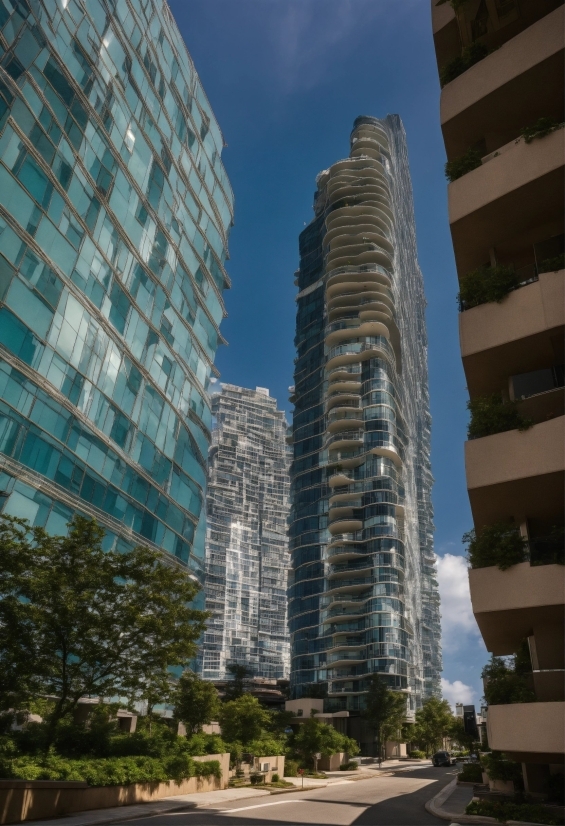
{"x":517,"y":474}
{"x":514,"y":336}
{"x":528,"y":732}
{"x":509,"y":195}
{"x":509,"y":605}
{"x":494,"y":97}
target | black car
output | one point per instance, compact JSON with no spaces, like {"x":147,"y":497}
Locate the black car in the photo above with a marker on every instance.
{"x":443,"y":758}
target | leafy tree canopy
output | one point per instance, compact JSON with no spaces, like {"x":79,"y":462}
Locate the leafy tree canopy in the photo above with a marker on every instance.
{"x":385,"y":710}
{"x":243,"y":720}
{"x":77,"y":621}
{"x":433,"y":723}
{"x":196,"y":702}
{"x":238,"y":675}
{"x":314,"y":737}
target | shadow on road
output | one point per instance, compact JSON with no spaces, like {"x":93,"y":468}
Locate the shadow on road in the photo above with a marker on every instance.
{"x":408,"y":809}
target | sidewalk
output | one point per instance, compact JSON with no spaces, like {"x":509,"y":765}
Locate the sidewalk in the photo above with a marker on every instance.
{"x":451,"y":802}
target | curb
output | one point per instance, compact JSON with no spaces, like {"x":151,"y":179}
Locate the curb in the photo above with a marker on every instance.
{"x":434,"y":807}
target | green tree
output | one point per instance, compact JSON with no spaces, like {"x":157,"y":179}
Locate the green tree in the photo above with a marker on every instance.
{"x":243,"y":720}
{"x":433,"y":722}
{"x":458,"y":735}
{"x":385,"y":711}
{"x":91,"y":623}
{"x":196,"y":702}
{"x":236,"y":684}
{"x":313,"y":738}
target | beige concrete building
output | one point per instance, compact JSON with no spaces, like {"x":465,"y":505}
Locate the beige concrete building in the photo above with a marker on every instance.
{"x":501,"y":68}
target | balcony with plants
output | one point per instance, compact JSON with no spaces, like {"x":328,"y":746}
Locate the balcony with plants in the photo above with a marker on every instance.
{"x":484,"y":28}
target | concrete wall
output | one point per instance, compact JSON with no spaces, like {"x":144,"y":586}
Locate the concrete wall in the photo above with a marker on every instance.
{"x":22,"y":800}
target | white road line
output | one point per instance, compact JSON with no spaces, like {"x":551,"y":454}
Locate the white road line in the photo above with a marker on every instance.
{"x":260,"y":806}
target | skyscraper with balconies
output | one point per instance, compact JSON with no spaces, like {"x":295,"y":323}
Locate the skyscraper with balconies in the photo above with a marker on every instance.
{"x":246,"y":537}
{"x":501,"y":67}
{"x":363,"y":597}
{"x":114,"y":218}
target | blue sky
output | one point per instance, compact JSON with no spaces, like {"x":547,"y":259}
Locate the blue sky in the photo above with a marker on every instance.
{"x":286,"y":79}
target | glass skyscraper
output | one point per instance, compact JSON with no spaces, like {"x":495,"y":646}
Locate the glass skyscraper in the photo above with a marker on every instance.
{"x":114,"y":216}
{"x":246,"y":539}
{"x":363,"y":597}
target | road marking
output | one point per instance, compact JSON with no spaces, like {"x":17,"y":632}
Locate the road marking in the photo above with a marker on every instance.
{"x":261,"y":806}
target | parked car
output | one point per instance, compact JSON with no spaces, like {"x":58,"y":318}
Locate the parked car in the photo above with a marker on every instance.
{"x":443,"y":758}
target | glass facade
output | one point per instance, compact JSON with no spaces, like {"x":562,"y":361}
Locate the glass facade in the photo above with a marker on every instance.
{"x":363,"y":596}
{"x":246,"y":538}
{"x":114,"y":217}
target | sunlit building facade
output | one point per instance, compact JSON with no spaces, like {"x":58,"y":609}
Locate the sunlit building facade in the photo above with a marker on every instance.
{"x":246,"y":538}
{"x":363,"y":597}
{"x":114,"y":218}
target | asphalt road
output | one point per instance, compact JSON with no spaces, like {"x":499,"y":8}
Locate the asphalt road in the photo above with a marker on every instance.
{"x":386,"y":801}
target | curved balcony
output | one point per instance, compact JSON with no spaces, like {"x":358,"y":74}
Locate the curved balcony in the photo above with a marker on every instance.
{"x":339,"y":478}
{"x":344,"y":353}
{"x":343,"y":552}
{"x":346,"y":657}
{"x":345,"y":439}
{"x":342,"y":330}
{"x":348,"y":387}
{"x":345,"y":525}
{"x":365,"y":253}
{"x":356,"y":584}
{"x":346,"y":371}
{"x":362,"y":274}
{"x":361,"y":226}
{"x":338,"y":418}
{"x":340,"y":538}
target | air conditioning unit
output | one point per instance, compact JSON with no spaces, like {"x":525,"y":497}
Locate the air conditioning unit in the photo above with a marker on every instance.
{"x":265,"y":767}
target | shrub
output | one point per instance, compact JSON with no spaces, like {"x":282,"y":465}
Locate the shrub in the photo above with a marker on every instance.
{"x":498,"y":767}
{"x":500,"y":544}
{"x":275,"y":778}
{"x":350,"y":766}
{"x":491,"y":414}
{"x":539,"y":129}
{"x":111,"y":771}
{"x":417,"y":755}
{"x":553,"y":264}
{"x":505,"y":810}
{"x":469,"y":56}
{"x":486,"y":284}
{"x":464,"y":163}
{"x":471,"y":773}
{"x":256,"y":778}
{"x":291,"y":768}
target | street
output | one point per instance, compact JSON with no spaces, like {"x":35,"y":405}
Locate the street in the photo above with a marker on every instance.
{"x":391,"y":801}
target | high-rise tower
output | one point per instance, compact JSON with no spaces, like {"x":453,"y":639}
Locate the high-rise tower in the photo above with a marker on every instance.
{"x":502,"y":112}
{"x":114,"y":216}
{"x":363,"y":597}
{"x":246,"y":538}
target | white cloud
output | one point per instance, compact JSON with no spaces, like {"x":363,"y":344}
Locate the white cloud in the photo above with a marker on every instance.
{"x":457,"y":692}
{"x":457,"y":620}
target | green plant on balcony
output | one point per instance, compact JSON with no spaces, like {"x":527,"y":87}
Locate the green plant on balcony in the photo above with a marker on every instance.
{"x":539,"y":129}
{"x":458,"y":167}
{"x":552,"y":264}
{"x":492,"y":414}
{"x":505,"y":682}
{"x":470,"y":55}
{"x":500,"y":544}
{"x":486,"y":284}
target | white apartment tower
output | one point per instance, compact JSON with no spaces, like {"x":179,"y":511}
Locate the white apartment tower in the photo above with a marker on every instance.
{"x":246,"y":537}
